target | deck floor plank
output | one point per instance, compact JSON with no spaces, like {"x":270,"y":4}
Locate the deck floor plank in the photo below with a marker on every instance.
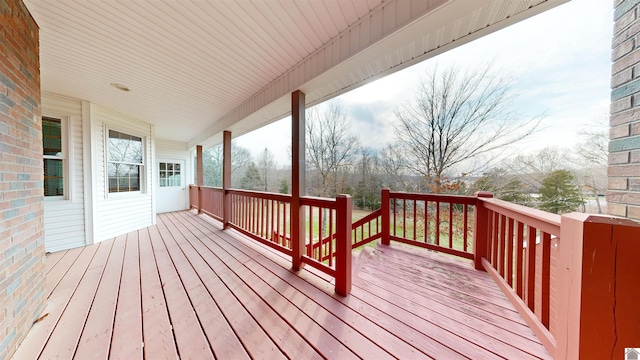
{"x":466,"y":283}
{"x":41,"y":331}
{"x":223,"y":341}
{"x":190,"y":338}
{"x":75,"y":315}
{"x":319,"y":336}
{"x":126,"y":341}
{"x":52,"y":260}
{"x":156,"y":326}
{"x":60,"y":269}
{"x":186,"y":288}
{"x":287,"y":339}
{"x":95,"y":341}
{"x":388,"y":333}
{"x":248,"y":331}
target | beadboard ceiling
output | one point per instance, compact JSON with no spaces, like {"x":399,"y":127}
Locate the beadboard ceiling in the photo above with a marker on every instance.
{"x":197,"y":67}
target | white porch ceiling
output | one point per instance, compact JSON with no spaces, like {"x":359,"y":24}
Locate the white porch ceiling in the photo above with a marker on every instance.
{"x":196,"y":68}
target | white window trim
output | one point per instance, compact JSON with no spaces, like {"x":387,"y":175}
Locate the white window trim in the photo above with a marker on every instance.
{"x":67,"y":157}
{"x":143,"y":167}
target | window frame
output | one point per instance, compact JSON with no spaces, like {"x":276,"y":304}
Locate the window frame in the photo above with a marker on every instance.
{"x":66,"y":158}
{"x":142,"y":167}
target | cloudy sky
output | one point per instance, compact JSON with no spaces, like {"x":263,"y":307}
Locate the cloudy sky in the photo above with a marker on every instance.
{"x":559,"y":61}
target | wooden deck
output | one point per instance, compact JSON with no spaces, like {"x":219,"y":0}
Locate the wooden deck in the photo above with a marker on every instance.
{"x":185,"y":288}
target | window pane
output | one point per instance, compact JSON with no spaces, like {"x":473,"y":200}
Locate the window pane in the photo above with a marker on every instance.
{"x":53,"y":177}
{"x":123,"y":177}
{"x":163,"y":166}
{"x":124,"y":148}
{"x":51,"y":136}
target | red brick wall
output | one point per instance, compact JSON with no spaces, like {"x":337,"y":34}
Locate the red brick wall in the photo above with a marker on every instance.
{"x":21,"y":177}
{"x":624,"y":147}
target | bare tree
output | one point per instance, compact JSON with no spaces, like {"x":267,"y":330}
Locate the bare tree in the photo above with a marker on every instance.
{"x":534,"y":167}
{"x":266,"y":164}
{"x":212,"y":164}
{"x":330,"y":144}
{"x":593,"y":155}
{"x":393,"y":164}
{"x":457,"y":116}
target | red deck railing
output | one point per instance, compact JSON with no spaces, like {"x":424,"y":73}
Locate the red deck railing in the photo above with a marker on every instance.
{"x":520,"y":246}
{"x":265,"y":217}
{"x":551,"y":283}
{"x":437,"y":222}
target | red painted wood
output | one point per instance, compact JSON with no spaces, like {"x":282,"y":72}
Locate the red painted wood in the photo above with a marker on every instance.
{"x":465,"y":230}
{"x":96,"y":335}
{"x":509,"y":250}
{"x":190,"y":340}
{"x":156,"y":325}
{"x":226,"y":178}
{"x":233,"y":315}
{"x":531,"y":267}
{"x":61,"y":344}
{"x":451,"y":225}
{"x":539,"y":219}
{"x":298,"y":180}
{"x":126,"y":341}
{"x":57,"y":273}
{"x":536,"y":326}
{"x":437,"y":239}
{"x":495,"y":239}
{"x":343,"y":245}
{"x":482,"y":231}
{"x":443,"y":249}
{"x":546,"y":279}
{"x":519,"y":258}
{"x":456,"y":199}
{"x":502,"y":240}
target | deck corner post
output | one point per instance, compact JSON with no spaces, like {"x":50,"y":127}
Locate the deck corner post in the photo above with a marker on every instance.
{"x":226,"y":178}
{"x":480,"y":230}
{"x":199,"y":176}
{"x":343,"y":244}
{"x":298,"y":182}
{"x":598,"y":287}
{"x":384,"y":216}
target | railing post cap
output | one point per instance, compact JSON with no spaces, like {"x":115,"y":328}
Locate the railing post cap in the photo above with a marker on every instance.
{"x":484,"y":194}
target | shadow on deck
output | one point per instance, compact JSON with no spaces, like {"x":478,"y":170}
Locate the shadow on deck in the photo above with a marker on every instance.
{"x":184,"y":287}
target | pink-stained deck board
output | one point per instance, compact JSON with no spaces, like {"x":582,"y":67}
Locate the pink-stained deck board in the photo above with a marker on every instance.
{"x":185,"y":287}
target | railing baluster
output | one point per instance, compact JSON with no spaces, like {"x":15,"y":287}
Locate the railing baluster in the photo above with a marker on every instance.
{"x":414,"y":219}
{"x":531,"y":267}
{"x":426,"y":222}
{"x":465,"y":221}
{"x":331,"y":239}
{"x":310,"y":244}
{"x":503,"y":223}
{"x":496,"y":236}
{"x":519,"y":262}
{"x":437,"y":223}
{"x":510,"y":252}
{"x":450,"y":225}
{"x":404,"y":218}
{"x":546,"y":277}
{"x":394,"y":216}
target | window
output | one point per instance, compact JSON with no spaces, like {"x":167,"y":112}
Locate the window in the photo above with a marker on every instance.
{"x":124,"y":162}
{"x":169,"y":174}
{"x":53,"y":156}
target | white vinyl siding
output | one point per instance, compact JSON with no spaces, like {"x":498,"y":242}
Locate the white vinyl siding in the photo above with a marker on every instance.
{"x":64,"y":217}
{"x":120,"y":213}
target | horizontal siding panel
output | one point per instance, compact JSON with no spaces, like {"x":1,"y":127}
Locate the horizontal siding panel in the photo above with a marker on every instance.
{"x":118,"y":214}
{"x":64,"y":226}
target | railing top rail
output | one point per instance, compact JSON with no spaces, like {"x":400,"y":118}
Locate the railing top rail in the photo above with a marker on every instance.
{"x":261,"y":195}
{"x":542,"y":220}
{"x":455,"y":199}
{"x":374,"y":214}
{"x":207,"y":187}
{"x":318,"y":201}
